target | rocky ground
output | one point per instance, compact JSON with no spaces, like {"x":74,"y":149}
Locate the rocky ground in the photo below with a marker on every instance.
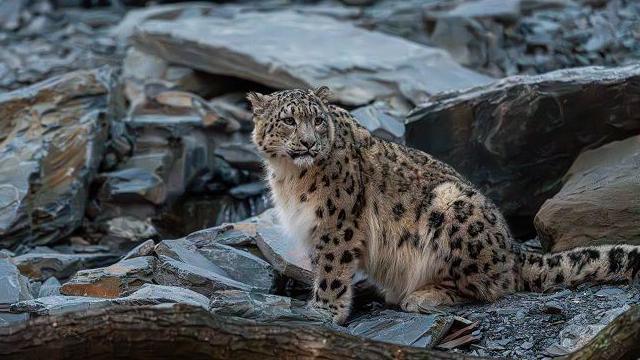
{"x":124,"y":127}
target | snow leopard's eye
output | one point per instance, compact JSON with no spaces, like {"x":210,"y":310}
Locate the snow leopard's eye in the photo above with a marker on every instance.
{"x":289,"y":121}
{"x":318,"y":120}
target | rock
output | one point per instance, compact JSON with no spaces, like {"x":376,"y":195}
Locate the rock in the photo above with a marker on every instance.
{"x":241,"y":266}
{"x":242,"y":156}
{"x":186,"y":252}
{"x":516,"y":138}
{"x":13,"y":288}
{"x":237,"y":235}
{"x":132,"y":184}
{"x":205,"y":282}
{"x":410,"y":329}
{"x":59,"y":304}
{"x":136,"y":17}
{"x":51,"y":287}
{"x":40,"y":266}
{"x":287,"y":255}
{"x":382,"y":121}
{"x":10,"y":11}
{"x":144,"y":249}
{"x":358,"y":65}
{"x":595,"y":205}
{"x":112,"y":281}
{"x":152,"y":294}
{"x":148,"y":294}
{"x":580,"y":330}
{"x":51,"y":143}
{"x":121,"y":232}
{"x":262,"y":307}
{"x":248,"y":190}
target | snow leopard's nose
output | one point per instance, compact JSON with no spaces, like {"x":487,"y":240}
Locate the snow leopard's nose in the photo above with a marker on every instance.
{"x":308,"y":143}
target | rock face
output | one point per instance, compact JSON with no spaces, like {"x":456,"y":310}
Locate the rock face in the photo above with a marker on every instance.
{"x":599,"y":202}
{"x":516,"y":138}
{"x":51,"y":140}
{"x":358,"y":65}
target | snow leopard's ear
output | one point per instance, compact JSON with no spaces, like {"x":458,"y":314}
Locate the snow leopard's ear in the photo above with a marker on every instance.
{"x":323,"y":93}
{"x":258,"y":102}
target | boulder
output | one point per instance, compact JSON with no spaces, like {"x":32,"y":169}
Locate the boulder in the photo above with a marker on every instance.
{"x":515,"y":139}
{"x":112,"y":281}
{"x":285,"y":49}
{"x":599,"y":202}
{"x":51,"y":140}
{"x":40,"y":266}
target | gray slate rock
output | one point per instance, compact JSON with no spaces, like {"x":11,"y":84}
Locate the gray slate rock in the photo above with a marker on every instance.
{"x":51,"y":287}
{"x":175,"y":273}
{"x":285,"y":49}
{"x":263,"y":307}
{"x":241,"y":266}
{"x":45,"y":132}
{"x":144,"y":249}
{"x":515,"y":139}
{"x":152,"y":294}
{"x":41,"y":266}
{"x":599,"y":202}
{"x":13,"y":288}
{"x":59,"y":304}
{"x":410,"y":329}
{"x":382,"y":121}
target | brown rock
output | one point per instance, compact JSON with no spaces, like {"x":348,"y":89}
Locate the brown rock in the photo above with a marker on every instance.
{"x":599,"y":202}
{"x":111,"y":281}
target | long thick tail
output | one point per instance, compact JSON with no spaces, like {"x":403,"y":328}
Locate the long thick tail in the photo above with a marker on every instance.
{"x":598,"y":264}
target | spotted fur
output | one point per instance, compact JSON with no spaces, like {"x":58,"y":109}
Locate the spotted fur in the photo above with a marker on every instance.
{"x":411,"y":222}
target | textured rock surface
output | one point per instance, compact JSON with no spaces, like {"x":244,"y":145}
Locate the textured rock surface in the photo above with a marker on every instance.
{"x":111,"y":281}
{"x":241,"y":266}
{"x":13,"y":288}
{"x":419,"y":330}
{"x":599,"y":202}
{"x":358,"y":65}
{"x":516,"y":139}
{"x":51,"y":141}
{"x":40,"y":266}
{"x":206,"y":282}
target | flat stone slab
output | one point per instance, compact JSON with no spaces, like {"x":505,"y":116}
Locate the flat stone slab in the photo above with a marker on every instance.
{"x":410,"y":329}
{"x":241,"y":266}
{"x":59,"y":304}
{"x":111,"y":281}
{"x":152,"y":294}
{"x":175,"y":273}
{"x":263,"y":307}
{"x":286,"y":49}
{"x":41,"y":266}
